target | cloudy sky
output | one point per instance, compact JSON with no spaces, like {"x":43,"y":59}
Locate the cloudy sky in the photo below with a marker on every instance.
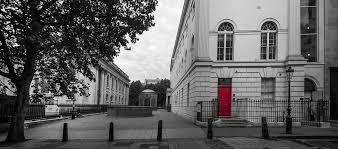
{"x":150,"y":56}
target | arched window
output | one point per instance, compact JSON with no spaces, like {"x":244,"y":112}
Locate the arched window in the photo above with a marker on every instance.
{"x":225,"y":41}
{"x":268,"y":41}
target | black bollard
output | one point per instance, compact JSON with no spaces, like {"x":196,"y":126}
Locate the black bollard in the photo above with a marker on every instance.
{"x":159,"y":131}
{"x":210,"y":133}
{"x":65,"y":133}
{"x":111,"y":132}
{"x":265,"y":130}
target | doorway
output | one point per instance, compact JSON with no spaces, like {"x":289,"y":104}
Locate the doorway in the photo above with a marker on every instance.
{"x":334,"y":93}
{"x":224,"y":96}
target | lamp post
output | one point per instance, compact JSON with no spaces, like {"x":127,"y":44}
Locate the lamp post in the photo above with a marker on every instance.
{"x":289,"y":73}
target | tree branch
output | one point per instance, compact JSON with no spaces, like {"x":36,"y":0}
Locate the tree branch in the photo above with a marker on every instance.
{"x":8,"y":62}
{"x":7,"y":75}
{"x":46,"y":6}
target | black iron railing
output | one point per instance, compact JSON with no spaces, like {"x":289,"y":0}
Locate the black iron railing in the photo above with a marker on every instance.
{"x":274,"y":111}
{"x":37,"y":111}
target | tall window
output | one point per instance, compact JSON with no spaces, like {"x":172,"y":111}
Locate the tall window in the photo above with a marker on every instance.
{"x":225,"y":41}
{"x":188,"y":92}
{"x":309,"y":33}
{"x":268,"y":41}
{"x":268,"y":89}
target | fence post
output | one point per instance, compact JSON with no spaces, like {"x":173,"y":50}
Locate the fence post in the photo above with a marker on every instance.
{"x":210,"y":133}
{"x":159,"y":131}
{"x":65,"y":133}
{"x":111,"y":132}
{"x":265,"y":130}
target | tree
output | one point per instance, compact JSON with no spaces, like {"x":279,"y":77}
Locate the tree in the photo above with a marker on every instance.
{"x":134,"y":91}
{"x":60,"y":38}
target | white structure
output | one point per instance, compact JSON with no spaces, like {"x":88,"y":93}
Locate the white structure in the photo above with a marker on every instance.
{"x":152,"y":81}
{"x":234,"y":49}
{"x":111,"y":87}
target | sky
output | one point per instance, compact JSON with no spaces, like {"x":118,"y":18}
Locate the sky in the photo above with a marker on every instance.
{"x":150,"y":57}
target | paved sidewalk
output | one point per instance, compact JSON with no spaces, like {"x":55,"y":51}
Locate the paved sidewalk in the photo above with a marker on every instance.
{"x":102,"y":144}
{"x":221,"y":143}
{"x":303,"y":132}
{"x":97,"y":127}
{"x":257,"y":143}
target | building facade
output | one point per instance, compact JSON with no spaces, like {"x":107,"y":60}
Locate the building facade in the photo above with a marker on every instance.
{"x":111,"y":87}
{"x":331,"y":56}
{"x":240,"y":49}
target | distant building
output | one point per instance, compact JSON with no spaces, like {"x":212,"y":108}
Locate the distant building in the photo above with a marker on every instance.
{"x":148,"y":98}
{"x":152,"y":81}
{"x":111,"y":87}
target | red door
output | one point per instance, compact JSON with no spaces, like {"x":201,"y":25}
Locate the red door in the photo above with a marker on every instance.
{"x":224,"y":97}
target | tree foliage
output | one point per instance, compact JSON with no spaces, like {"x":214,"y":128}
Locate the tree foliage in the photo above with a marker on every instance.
{"x":60,"y":38}
{"x":134,"y":91}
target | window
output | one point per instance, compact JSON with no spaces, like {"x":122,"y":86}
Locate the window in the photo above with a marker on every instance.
{"x":182,"y":96}
{"x":188,"y":92}
{"x":309,"y":33}
{"x":107,"y":85}
{"x":268,"y":89}
{"x":268,"y":41}
{"x":225,"y":41}
{"x":112,"y":83}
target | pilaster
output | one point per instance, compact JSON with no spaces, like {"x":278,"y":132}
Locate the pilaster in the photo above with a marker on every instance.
{"x":202,"y":27}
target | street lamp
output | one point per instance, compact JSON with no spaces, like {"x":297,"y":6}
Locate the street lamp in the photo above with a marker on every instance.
{"x":289,"y":74}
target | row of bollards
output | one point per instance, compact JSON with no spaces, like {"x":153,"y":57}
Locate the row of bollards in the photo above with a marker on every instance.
{"x":111,"y":132}
{"x":265,"y":131}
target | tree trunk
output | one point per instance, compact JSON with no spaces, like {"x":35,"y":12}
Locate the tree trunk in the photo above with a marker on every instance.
{"x":16,"y":131}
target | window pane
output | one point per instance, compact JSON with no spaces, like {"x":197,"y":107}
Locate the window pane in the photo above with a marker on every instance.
{"x":308,"y":20}
{"x":308,"y":2}
{"x":263,"y":53}
{"x":220,"y":40}
{"x":272,"y":52}
{"x":228,"y":53}
{"x":264,"y":40}
{"x":229,"y":40}
{"x":309,"y":47}
{"x":220,"y":54}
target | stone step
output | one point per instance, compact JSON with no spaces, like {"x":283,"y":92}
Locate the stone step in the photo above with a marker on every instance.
{"x":232,"y":122}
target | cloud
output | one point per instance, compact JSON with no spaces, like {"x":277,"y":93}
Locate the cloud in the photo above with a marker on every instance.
{"x":150,"y":56}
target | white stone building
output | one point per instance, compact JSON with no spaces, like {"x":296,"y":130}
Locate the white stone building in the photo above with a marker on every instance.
{"x":236,"y":49}
{"x":111,"y":87}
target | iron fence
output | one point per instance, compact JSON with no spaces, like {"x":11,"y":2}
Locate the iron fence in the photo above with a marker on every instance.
{"x":274,"y":111}
{"x":37,"y":111}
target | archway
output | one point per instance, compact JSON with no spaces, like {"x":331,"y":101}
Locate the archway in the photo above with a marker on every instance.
{"x":309,"y":89}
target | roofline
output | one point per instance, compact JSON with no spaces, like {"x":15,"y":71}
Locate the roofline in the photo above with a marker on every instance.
{"x":185,"y":8}
{"x":115,"y":67}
